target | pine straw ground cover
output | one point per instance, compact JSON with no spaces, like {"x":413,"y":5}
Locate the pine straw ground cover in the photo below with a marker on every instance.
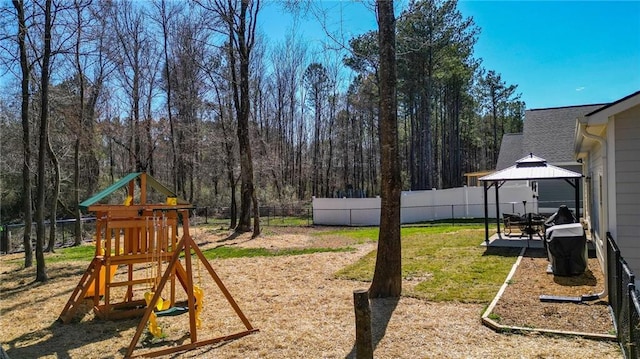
{"x":520,"y":306}
{"x":301,"y":310}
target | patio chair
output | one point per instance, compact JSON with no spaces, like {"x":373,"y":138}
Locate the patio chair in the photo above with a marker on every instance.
{"x":511,"y":221}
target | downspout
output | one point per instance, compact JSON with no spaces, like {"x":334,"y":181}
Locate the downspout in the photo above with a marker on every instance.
{"x":603,"y":216}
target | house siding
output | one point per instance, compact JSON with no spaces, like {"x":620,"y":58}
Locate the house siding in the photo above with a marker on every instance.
{"x":627,"y":167}
{"x":593,"y":185}
{"x":595,"y":173}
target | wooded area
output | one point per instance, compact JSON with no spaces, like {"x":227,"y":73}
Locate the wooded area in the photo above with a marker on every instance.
{"x":195,"y":95}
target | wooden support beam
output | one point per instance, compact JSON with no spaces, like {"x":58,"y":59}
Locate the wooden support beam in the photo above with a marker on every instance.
{"x":156,"y":296}
{"x":143,"y":188}
{"x":191,"y":346}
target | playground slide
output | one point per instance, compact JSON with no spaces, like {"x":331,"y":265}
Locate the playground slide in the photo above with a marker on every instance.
{"x":103,"y":281}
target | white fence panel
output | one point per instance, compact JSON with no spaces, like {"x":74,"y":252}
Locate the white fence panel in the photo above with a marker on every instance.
{"x":420,"y":206}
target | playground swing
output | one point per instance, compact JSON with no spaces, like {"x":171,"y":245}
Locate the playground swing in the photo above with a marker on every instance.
{"x":153,"y":269}
{"x":162,"y":306}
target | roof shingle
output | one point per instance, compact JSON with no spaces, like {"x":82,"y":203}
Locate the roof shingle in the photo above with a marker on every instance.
{"x":550,"y":132}
{"x":510,"y":150}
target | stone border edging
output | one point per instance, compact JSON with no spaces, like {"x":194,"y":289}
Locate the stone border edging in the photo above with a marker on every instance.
{"x":490,"y":323}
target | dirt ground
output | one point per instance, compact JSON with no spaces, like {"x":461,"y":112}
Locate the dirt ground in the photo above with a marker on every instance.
{"x":520,"y":305}
{"x":301,"y":311}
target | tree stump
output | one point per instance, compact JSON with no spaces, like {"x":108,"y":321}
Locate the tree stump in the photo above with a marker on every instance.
{"x":364,"y":345}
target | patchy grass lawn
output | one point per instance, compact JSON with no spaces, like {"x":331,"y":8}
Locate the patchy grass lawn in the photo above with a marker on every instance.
{"x":238,"y":252}
{"x":86,"y":252}
{"x":444,"y":263}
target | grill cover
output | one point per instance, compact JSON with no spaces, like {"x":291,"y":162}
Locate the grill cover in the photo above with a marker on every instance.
{"x":567,"y":249}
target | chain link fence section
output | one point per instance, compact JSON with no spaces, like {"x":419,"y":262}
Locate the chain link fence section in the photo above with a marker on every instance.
{"x":623,"y":299}
{"x":283,"y":216}
{"x":11,"y":235}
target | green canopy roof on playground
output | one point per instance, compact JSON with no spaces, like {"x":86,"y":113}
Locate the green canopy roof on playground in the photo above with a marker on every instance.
{"x":123,"y":182}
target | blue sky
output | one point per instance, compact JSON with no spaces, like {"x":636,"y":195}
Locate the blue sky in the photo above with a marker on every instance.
{"x":559,"y":53}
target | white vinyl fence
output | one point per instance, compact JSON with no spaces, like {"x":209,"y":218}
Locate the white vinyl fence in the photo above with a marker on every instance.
{"x":420,"y":206}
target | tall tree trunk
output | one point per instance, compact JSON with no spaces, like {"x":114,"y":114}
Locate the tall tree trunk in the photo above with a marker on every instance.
{"x":299,"y":157}
{"x":494,"y":113}
{"x":80,"y":130}
{"x":328,"y":174}
{"x":148,"y":126}
{"x":245,"y":38}
{"x":41,"y":273}
{"x":317,"y":165}
{"x":77,"y":228}
{"x":54,"y":196}
{"x":26,"y":136}
{"x":233,"y":208}
{"x":387,"y":277}
{"x":165,"y":47}
{"x":91,"y":163}
{"x":228,"y":147}
{"x":256,"y":215}
{"x":112,"y":162}
{"x":345,"y":146}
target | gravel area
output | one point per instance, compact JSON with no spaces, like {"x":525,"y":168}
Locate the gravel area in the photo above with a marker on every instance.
{"x":520,"y":305}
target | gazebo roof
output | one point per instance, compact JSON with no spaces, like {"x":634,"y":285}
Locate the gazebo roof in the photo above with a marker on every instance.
{"x":531,"y":168}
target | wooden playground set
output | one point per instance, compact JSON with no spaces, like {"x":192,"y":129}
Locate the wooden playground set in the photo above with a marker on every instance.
{"x":143,"y":239}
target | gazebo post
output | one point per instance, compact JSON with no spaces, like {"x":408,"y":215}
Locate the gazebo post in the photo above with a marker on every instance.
{"x":577,"y":189}
{"x":495,"y":183}
{"x":486,"y":212}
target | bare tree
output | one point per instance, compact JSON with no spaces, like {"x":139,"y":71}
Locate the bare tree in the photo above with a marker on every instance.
{"x":25,"y":68}
{"x":76,"y":147}
{"x":387,"y":278}
{"x":136,"y":61}
{"x":77,"y":105}
{"x":53,"y":209}
{"x":317,"y":81}
{"x":165,"y":16}
{"x":240,"y":20}
{"x":41,"y":273}
{"x":285,"y":80}
{"x":186,"y":81}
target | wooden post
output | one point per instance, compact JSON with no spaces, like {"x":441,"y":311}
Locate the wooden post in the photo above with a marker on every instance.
{"x":631,"y":344}
{"x":143,"y":188}
{"x":364,"y":345}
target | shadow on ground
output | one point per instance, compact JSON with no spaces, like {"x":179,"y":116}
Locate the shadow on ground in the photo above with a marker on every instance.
{"x":585,"y":279}
{"x":502,"y":251}
{"x":59,"y":341}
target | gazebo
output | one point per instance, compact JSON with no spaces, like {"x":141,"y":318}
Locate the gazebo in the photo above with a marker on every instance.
{"x":530,"y":167}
